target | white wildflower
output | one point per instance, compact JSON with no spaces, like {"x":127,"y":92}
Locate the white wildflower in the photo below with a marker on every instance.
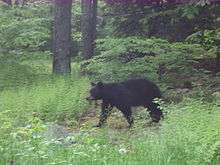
{"x":123,"y":151}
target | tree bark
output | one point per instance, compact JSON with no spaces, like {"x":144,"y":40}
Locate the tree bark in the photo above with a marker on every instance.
{"x":20,"y":2}
{"x":94,"y":21}
{"x":218,"y":61}
{"x":8,"y":2}
{"x":62,"y":37}
{"x":88,"y":27}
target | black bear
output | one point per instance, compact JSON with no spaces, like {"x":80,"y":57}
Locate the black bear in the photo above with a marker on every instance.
{"x":124,"y":95}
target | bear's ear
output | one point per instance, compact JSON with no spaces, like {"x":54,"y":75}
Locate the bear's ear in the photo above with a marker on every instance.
{"x":93,"y":84}
{"x":100,"y":84}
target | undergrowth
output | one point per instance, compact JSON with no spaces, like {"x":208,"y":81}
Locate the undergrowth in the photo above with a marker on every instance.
{"x":131,"y":57}
{"x":189,"y":134}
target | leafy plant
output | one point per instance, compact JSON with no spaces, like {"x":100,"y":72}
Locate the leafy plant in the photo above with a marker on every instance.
{"x":138,"y":57}
{"x":24,"y":28}
{"x":207,"y":38}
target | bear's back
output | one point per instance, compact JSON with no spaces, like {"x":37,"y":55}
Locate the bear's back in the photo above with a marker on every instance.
{"x":142,"y":88}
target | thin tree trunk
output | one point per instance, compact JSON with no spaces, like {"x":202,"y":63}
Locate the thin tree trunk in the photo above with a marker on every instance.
{"x":20,"y":2}
{"x":94,"y":22}
{"x":17,"y":2}
{"x":8,"y":2}
{"x":85,"y":28}
{"x":218,"y":61}
{"x":88,"y":27}
{"x":62,"y":37}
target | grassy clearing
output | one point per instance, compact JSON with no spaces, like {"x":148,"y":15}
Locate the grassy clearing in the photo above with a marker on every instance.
{"x":30,"y":98}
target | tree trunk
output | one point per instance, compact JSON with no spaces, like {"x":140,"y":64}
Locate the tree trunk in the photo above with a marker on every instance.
{"x":8,"y":2}
{"x":20,"y":2}
{"x":62,"y":37}
{"x":88,"y":26}
{"x":94,"y":22}
{"x":218,"y":62}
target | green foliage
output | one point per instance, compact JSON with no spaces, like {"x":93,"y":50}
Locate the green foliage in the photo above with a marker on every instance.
{"x":190,"y":11}
{"x":207,"y":37}
{"x":29,"y":29}
{"x":188,"y":135}
{"x":30,"y":96}
{"x":24,"y":28}
{"x":22,"y":69}
{"x":131,"y":57}
{"x":76,"y":24}
{"x":171,"y":22}
{"x":29,"y":87}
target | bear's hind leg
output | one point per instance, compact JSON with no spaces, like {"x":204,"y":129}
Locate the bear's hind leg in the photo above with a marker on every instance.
{"x":155,"y":112}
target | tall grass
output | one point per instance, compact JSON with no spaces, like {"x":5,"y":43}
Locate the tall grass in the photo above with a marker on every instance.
{"x":189,"y":134}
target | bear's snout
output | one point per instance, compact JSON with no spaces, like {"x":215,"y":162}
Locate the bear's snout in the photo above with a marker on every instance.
{"x":90,"y":98}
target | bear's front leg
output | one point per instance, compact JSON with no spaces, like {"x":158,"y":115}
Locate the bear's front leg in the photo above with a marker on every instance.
{"x":128,"y":115}
{"x":105,"y":112}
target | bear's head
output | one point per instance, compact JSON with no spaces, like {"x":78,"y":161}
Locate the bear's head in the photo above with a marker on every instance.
{"x":95,"y":91}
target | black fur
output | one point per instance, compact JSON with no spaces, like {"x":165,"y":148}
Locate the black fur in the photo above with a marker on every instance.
{"x":124,"y":95}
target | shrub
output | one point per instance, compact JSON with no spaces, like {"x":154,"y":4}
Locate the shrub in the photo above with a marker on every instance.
{"x":24,"y":28}
{"x":131,"y":57}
